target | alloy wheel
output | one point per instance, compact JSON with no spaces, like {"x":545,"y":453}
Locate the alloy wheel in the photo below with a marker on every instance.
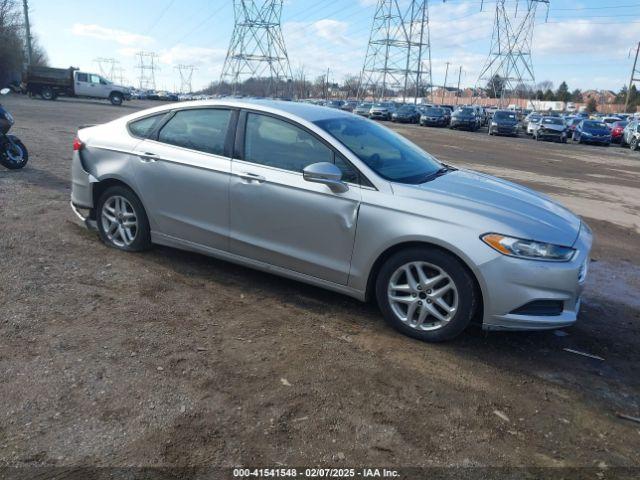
{"x":422,"y":296}
{"x":119,"y":221}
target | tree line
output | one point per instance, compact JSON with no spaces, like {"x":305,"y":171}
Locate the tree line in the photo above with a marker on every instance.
{"x":12,"y":45}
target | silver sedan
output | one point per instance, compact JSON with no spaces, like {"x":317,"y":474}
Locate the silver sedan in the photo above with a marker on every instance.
{"x":338,"y":201}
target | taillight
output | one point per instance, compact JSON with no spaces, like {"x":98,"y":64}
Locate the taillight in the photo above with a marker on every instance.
{"x":77,"y":145}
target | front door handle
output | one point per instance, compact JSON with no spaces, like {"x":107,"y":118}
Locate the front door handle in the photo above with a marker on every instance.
{"x":252,"y":177}
{"x":148,"y":157}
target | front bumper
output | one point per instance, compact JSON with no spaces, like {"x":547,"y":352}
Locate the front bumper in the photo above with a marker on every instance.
{"x":379,"y":115}
{"x":513,"y":283}
{"x":463,"y":124}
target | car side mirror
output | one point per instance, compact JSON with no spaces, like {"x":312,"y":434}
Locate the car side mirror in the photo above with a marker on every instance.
{"x":327,"y":174}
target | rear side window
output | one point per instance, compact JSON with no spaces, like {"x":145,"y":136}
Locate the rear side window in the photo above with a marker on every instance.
{"x":204,"y":130}
{"x":82,"y":77}
{"x":142,"y":128}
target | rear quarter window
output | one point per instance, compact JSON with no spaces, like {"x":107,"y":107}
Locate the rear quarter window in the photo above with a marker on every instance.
{"x":142,"y":128}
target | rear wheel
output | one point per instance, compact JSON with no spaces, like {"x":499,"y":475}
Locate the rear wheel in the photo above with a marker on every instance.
{"x":122,"y":220}
{"x":426,"y":294}
{"x":47,"y":93}
{"x":634,"y":144}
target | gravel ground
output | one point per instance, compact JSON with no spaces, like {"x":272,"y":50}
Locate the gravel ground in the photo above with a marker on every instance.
{"x":174,"y":359}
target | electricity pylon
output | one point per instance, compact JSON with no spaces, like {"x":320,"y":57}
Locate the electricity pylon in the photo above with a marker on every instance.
{"x":257,"y":49}
{"x":398,"y":57}
{"x":147,"y":65}
{"x":108,"y":67}
{"x":186,"y":75}
{"x":509,"y":64}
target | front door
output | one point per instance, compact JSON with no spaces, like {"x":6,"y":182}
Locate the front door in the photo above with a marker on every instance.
{"x":276,"y":216}
{"x":183,"y":175}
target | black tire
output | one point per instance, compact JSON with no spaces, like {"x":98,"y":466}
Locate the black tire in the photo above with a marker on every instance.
{"x":489,"y":132}
{"x":116,"y":99}
{"x":15,"y":163}
{"x":47,"y":93}
{"x":142,"y":239}
{"x":634,"y":144}
{"x":467,"y":293}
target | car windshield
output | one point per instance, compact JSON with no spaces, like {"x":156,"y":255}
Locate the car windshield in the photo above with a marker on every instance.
{"x":382,"y":105}
{"x":552,"y":121}
{"x":434,"y":111}
{"x":385,"y":152}
{"x":407,"y":109}
{"x":504,"y":116}
{"x":620,"y":124}
{"x":594,"y":124}
{"x":464,"y":111}
{"x":366,"y":105}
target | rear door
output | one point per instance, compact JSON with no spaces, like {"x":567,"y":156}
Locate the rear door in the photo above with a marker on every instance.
{"x":279,"y":218}
{"x":83,"y":86}
{"x":183,"y":174}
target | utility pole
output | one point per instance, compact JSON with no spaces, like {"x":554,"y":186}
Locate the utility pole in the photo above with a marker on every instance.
{"x":635,"y":77}
{"x":398,"y":42}
{"x":444,"y":88}
{"x":458,"y":92}
{"x":27,"y":28}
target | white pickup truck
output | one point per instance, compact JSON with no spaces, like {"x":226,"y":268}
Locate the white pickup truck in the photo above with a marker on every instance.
{"x":49,"y":83}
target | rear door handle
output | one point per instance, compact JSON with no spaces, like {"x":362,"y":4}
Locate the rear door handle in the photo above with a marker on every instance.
{"x":148,"y":157}
{"x":252,"y":177}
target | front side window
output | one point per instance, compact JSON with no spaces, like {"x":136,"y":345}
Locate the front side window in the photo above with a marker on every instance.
{"x":279,"y":144}
{"x":94,"y":78}
{"x":204,"y":130}
{"x":388,"y":154}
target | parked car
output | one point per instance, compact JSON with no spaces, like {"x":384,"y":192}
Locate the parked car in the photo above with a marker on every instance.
{"x":435,"y":117}
{"x":406,"y":114}
{"x":50,"y":83}
{"x":363,"y":109}
{"x":631,"y":135}
{"x":617,"y":130}
{"x":349,"y":105}
{"x":592,"y":131}
{"x":504,"y":122}
{"x":382,"y":111}
{"x":571,"y":126}
{"x":465,"y":118}
{"x":335,"y":104}
{"x":550,"y":128}
{"x":533,"y":116}
{"x":610,"y":120}
{"x":375,"y":216}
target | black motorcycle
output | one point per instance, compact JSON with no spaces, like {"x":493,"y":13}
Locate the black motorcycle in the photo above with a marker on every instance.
{"x":13,"y":153}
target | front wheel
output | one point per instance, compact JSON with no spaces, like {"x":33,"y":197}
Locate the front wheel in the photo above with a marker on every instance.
{"x":116,"y":99}
{"x":122,"y":220}
{"x":634,"y":144}
{"x":15,"y":155}
{"x":426,"y":294}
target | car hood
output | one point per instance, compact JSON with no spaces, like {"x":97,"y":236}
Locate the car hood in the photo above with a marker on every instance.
{"x":597,"y":131}
{"x":553,"y":126}
{"x":497,"y":206}
{"x":506,"y":123}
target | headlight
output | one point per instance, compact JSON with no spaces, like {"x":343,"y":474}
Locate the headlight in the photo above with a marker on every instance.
{"x":529,"y":249}
{"x":494,"y":124}
{"x":9,"y":118}
{"x":586,"y":134}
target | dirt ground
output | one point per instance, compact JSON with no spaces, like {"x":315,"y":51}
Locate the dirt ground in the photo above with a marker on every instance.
{"x":174,"y":359}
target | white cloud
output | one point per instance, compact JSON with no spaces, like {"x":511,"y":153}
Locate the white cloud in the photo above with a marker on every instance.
{"x":109,"y":34}
{"x":581,"y":37}
{"x":199,"y":56}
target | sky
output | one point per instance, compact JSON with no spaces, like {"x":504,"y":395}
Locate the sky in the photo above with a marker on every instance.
{"x":588,"y":43}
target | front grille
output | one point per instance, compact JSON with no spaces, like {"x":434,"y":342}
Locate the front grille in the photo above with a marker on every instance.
{"x":540,"y":308}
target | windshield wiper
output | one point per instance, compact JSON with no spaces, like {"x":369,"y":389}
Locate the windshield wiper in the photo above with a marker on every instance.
{"x":438,"y":173}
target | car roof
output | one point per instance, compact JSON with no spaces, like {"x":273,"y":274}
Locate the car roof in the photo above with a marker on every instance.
{"x":304,"y":111}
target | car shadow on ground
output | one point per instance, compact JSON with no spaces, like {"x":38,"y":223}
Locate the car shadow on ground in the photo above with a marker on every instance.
{"x":614,"y":380}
